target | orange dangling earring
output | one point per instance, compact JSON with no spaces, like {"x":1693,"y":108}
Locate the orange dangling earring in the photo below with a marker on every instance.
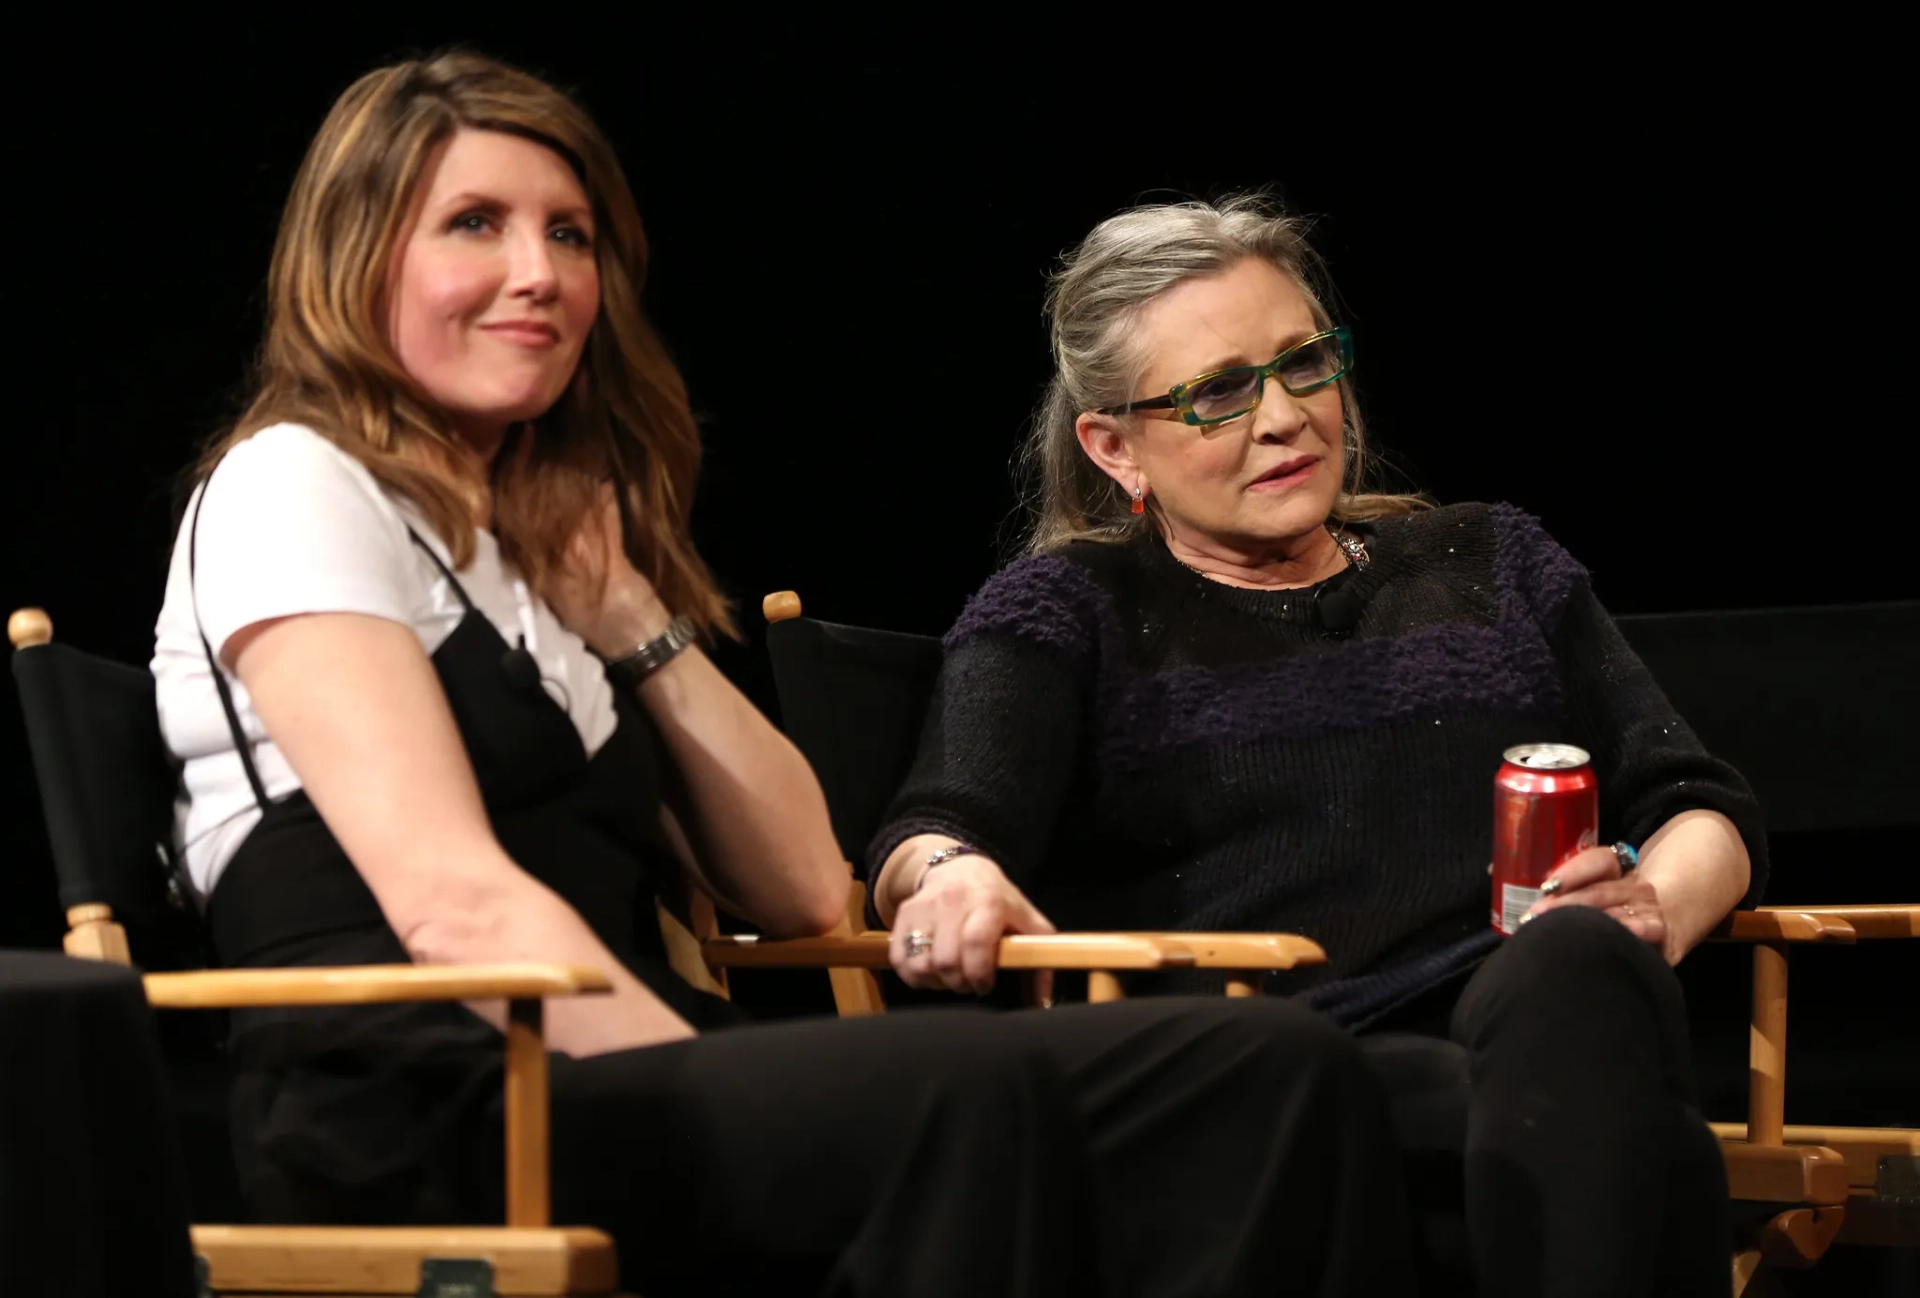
{"x":1139,"y":501}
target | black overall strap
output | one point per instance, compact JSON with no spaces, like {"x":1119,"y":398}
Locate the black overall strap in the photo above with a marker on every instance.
{"x":241,"y":744}
{"x":460,"y":591}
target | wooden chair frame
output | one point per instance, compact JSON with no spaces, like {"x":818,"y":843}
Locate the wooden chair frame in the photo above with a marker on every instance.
{"x":529,"y":1255}
{"x":1828,"y":1179}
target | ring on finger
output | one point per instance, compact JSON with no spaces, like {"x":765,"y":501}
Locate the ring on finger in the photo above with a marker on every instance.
{"x":919,"y":943}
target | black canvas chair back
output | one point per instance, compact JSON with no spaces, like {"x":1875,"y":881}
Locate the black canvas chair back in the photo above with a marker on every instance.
{"x":1818,"y":707}
{"x":107,"y":785}
{"x":853,"y":700}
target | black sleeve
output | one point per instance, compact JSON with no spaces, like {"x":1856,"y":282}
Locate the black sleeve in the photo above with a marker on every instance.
{"x":1651,"y":766}
{"x":997,"y":754}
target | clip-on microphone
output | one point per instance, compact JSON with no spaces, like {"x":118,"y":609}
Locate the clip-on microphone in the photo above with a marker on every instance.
{"x":518,"y":666}
{"x":1337,"y":605}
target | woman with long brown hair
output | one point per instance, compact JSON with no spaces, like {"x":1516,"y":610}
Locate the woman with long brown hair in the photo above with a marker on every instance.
{"x":429,"y":656}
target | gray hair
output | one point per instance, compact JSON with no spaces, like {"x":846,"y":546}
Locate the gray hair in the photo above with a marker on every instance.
{"x":1093,"y":303}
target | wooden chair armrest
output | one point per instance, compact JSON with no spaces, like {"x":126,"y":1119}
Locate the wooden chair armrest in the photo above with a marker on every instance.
{"x":1782,"y":925}
{"x":1819,"y":923}
{"x":1108,"y":951}
{"x":1887,"y":921}
{"x":214,"y":989}
{"x":1105,"y":951}
{"x":1785,"y":1173}
{"x":868,"y":950}
{"x":1255,"y":951}
{"x":1861,"y":1147}
{"x":836,"y":951}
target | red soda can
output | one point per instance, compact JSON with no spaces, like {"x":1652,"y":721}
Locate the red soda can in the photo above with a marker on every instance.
{"x":1546,"y":807}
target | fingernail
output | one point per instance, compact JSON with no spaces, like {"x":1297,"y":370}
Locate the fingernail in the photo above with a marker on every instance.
{"x":1550,"y":887}
{"x":1524,"y":918}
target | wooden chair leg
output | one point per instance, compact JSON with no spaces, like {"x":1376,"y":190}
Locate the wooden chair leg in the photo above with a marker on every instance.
{"x":528,"y":1196}
{"x":705,"y":925}
{"x":1760,"y":1249}
{"x":1750,"y":1278}
{"x":684,"y":955}
{"x":1103,"y":987}
{"x":93,"y":935}
{"x":856,"y":992}
{"x":1799,"y":1237}
{"x":1767,"y":1047}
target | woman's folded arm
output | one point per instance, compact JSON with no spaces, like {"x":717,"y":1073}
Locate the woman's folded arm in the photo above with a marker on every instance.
{"x":354,"y":704}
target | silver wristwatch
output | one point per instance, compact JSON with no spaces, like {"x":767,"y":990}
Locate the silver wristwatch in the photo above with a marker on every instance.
{"x":654,"y":654}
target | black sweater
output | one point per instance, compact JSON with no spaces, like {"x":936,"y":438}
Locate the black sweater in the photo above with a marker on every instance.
{"x":1140,"y":747}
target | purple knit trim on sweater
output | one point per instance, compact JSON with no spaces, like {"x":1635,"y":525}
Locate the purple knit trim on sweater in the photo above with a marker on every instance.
{"x":1421,"y":677}
{"x":1042,"y":598}
{"x":1532,"y":571}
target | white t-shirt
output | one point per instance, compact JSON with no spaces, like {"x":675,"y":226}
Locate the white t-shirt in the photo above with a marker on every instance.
{"x":291,"y":524}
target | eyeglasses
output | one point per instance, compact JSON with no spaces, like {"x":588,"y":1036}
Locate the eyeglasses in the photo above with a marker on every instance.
{"x":1303,"y":369}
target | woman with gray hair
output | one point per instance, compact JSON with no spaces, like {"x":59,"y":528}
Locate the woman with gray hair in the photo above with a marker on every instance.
{"x":1232,"y":686}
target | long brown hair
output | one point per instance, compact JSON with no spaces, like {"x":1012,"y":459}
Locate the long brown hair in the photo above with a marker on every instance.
{"x":1093,"y":302}
{"x":327,"y":360}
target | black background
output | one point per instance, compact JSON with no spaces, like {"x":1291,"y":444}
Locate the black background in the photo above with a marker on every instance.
{"x":1636,"y":286}
{"x":1646,"y":279}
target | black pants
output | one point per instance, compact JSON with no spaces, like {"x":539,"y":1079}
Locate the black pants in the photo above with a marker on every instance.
{"x":1164,"y":1147}
{"x":1552,"y":1103}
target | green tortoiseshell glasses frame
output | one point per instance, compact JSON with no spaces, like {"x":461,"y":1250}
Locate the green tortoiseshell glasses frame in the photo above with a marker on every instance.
{"x":1227,"y":394}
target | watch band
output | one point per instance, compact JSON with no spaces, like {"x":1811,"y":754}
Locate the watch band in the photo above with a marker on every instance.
{"x":656,"y":653}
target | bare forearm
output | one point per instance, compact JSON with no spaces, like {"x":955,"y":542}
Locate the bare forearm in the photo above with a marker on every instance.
{"x":507,"y":916}
{"x":748,"y":804}
{"x":759,"y":820}
{"x":354,"y":704}
{"x":1698,"y":865}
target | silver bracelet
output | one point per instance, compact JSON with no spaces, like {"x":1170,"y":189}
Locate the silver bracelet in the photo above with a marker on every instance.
{"x":656,"y":653}
{"x":940,"y":858}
